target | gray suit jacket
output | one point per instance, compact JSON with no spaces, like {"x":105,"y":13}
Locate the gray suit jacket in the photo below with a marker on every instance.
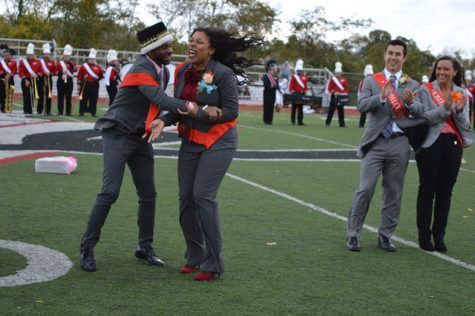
{"x":225,"y":97}
{"x":426,"y":107}
{"x":131,"y":105}
{"x":380,"y":114}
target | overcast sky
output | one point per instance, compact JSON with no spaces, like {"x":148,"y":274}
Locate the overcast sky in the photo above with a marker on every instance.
{"x":437,"y":25}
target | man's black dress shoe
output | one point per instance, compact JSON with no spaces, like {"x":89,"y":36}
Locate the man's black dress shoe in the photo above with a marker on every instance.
{"x":88,"y":262}
{"x":353,"y":244}
{"x":148,"y":255}
{"x":386,"y":244}
{"x":301,"y":124}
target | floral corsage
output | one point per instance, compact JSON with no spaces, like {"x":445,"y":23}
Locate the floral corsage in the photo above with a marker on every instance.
{"x":206,"y":84}
{"x":404,"y":79}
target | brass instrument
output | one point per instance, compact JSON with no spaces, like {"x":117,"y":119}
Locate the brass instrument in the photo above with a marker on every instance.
{"x":8,"y":95}
{"x":83,"y":85}
{"x":35,"y":89}
{"x":49,"y":86}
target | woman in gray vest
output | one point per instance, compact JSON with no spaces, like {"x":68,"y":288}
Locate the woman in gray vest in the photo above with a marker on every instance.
{"x":209,"y":134}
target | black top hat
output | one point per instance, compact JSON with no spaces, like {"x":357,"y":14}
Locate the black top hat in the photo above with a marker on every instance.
{"x":153,"y":36}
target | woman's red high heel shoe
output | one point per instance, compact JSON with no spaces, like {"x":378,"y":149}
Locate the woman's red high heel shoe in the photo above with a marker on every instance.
{"x":204,"y":276}
{"x":188,"y":270}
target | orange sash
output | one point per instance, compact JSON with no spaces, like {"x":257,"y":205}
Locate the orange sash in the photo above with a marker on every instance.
{"x":396,"y":104}
{"x":205,"y":138}
{"x":142,"y":78}
{"x":439,"y":100}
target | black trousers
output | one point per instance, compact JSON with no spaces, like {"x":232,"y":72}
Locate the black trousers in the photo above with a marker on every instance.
{"x":90,"y":95}
{"x":44,"y":103}
{"x":331,"y":109}
{"x":268,"y":113}
{"x":3,"y":92}
{"x":438,"y":167}
{"x":299,"y":109}
{"x":112,"y":91}
{"x":65,"y":90}
{"x":28,"y":102}
{"x":120,"y":149}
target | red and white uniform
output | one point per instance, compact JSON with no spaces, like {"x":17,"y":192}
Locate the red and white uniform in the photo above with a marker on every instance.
{"x":69,"y":71}
{"x":111,"y":76}
{"x":50,"y":67}
{"x":296,"y":86}
{"x":96,"y":70}
{"x":35,"y":66}
{"x":471,"y":89}
{"x":333,"y":87}
{"x":11,"y":65}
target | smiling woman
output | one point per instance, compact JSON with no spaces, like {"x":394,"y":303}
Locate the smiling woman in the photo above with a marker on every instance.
{"x":209,"y":136}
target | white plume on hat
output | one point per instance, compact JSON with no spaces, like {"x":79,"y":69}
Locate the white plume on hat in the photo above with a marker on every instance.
{"x":368,"y":70}
{"x":468,"y":75}
{"x":338,"y":67}
{"x":46,"y":48}
{"x":111,"y":55}
{"x":30,"y":49}
{"x":425,"y":79}
{"x":68,"y":50}
{"x":92,"y":54}
{"x":299,"y":65}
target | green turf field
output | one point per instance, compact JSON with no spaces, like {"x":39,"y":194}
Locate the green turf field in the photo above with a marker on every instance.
{"x":283,"y":257}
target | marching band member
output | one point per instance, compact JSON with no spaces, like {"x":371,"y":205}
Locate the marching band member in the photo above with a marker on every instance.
{"x":8,"y":69}
{"x":88,"y":84}
{"x":271,"y":84}
{"x":298,"y":86}
{"x":29,"y":70}
{"x":470,"y":92}
{"x":45,"y":82}
{"x":111,"y":77}
{"x":65,"y":71}
{"x":368,"y":71}
{"x":337,"y":86}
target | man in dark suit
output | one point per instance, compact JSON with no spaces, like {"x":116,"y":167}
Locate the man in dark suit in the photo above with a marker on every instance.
{"x":271,"y":84}
{"x":384,"y":147}
{"x":128,"y":127}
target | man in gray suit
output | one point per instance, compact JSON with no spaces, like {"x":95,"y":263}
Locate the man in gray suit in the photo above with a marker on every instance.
{"x":387,"y":98}
{"x":128,"y":127}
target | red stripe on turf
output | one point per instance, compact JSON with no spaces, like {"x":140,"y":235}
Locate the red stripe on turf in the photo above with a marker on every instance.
{"x":32,"y":123}
{"x":27,"y":156}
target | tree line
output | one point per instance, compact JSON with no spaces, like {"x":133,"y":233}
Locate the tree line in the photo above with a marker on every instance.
{"x":108,"y":24}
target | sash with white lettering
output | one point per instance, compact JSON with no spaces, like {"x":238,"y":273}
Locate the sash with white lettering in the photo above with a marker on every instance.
{"x":108,"y":75}
{"x":299,"y":81}
{"x":272,"y":81}
{"x":338,"y":83}
{"x":65,"y":68}
{"x":89,"y":71}
{"x":45,"y":68}
{"x":5,"y":66}
{"x":439,"y":100}
{"x":28,"y":67}
{"x":393,"y":99}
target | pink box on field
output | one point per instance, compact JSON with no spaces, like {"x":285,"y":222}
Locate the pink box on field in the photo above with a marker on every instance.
{"x":58,"y":164}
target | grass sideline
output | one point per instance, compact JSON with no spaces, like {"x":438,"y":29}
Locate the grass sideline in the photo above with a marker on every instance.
{"x":306,"y":269}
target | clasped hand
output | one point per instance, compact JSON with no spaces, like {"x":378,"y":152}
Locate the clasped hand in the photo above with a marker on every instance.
{"x":214,"y":113}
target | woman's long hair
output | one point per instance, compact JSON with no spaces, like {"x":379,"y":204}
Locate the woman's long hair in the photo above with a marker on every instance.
{"x":458,"y":79}
{"x":227,"y":44}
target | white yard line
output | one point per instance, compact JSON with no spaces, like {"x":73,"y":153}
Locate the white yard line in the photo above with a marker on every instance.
{"x":342,"y":218}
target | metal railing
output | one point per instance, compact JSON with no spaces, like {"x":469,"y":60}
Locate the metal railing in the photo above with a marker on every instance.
{"x":318,"y":78}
